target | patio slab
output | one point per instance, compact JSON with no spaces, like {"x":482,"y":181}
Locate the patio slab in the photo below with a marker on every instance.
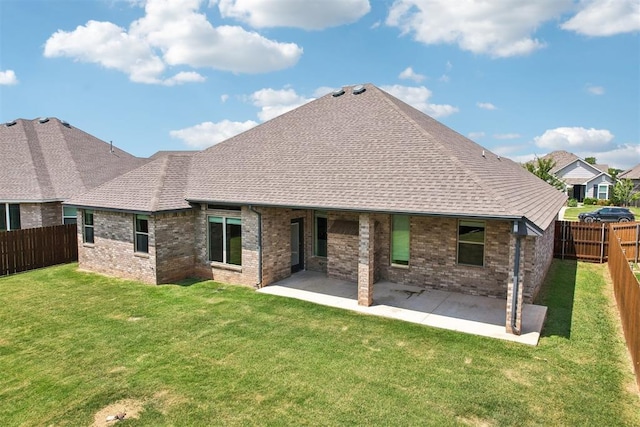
{"x":440,"y":309}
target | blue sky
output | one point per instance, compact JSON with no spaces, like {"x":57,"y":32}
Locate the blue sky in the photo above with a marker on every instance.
{"x":521,"y":78}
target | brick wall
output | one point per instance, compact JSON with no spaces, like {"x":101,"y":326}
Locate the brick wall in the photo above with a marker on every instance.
{"x":342,"y":249}
{"x":34,"y":215}
{"x":539,"y":255}
{"x":175,"y":246}
{"x":112,"y":252}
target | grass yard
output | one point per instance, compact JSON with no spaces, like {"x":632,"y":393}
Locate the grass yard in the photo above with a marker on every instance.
{"x":571,"y":214}
{"x":75,"y":347}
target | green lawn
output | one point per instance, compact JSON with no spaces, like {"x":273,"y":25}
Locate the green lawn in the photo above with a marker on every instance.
{"x":571,"y":214}
{"x":73,"y":343}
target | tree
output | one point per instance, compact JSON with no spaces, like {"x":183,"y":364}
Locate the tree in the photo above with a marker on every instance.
{"x":590,"y":160}
{"x":614,"y":172}
{"x":623,"y":192}
{"x":542,"y":169}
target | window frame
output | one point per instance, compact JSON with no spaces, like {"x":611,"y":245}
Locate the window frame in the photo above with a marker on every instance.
{"x":606,"y":191}
{"x":400,"y":262}
{"x":471,"y":242}
{"x":86,"y":226}
{"x":227,"y":254}
{"x":141,"y":233}
{"x":316,"y":215}
{"x":74,"y":217}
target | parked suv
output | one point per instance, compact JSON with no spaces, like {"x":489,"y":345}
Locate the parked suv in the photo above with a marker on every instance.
{"x":608,"y":215}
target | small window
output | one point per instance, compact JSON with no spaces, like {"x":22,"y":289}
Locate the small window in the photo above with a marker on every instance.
{"x":400,"y":240}
{"x":471,"y":242}
{"x":225,"y":240}
{"x":142,"y":234}
{"x":69,"y":215}
{"x":87,"y":226}
{"x":603,"y":191}
{"x":320,"y":234}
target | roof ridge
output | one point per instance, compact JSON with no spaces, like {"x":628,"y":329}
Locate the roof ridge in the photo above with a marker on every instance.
{"x":453,"y":157}
{"x":35,"y":151}
{"x":157,"y":193}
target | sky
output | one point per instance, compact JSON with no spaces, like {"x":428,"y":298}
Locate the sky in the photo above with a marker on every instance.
{"x":519,"y":77}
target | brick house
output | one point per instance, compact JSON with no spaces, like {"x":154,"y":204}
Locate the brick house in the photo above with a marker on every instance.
{"x":634,"y":175}
{"x":46,"y":161}
{"x":356,"y":184}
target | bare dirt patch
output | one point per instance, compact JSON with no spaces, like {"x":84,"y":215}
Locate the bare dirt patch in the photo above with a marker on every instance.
{"x":131,"y":407}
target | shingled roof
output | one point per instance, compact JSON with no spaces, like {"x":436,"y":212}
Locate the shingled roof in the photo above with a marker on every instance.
{"x":154,"y":187}
{"x":368,"y":152}
{"x":47,"y":159}
{"x":633,"y":173}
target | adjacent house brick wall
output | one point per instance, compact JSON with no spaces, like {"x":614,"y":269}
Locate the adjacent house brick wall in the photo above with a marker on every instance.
{"x":112,"y":252}
{"x":538,"y":257}
{"x":342,"y":249}
{"x":34,"y":215}
{"x":175,"y":253}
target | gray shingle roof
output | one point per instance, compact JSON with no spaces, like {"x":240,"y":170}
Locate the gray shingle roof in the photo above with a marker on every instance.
{"x":154,"y":187}
{"x":633,"y":173}
{"x":175,"y":152}
{"x":561,"y":158}
{"x":368,"y":152}
{"x":53,"y":161}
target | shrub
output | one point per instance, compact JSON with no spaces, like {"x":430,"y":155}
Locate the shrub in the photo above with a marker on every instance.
{"x":589,"y":201}
{"x":572,"y":203}
{"x":604,"y":202}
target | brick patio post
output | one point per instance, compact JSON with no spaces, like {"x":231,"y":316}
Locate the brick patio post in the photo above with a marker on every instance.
{"x":365,"y":260}
{"x":517,"y":328}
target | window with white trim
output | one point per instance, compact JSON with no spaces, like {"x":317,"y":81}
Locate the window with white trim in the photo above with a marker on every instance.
{"x":603,"y":191}
{"x":320,"y":233}
{"x":69,"y":215}
{"x":225,"y":240}
{"x":141,"y":241}
{"x":400,"y":239}
{"x":471,"y":242}
{"x":9,"y":216}
{"x":87,"y":226}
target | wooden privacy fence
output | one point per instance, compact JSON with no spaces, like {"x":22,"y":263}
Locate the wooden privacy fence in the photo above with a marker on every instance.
{"x":627,"y":290}
{"x":22,"y":250}
{"x":581,"y":241}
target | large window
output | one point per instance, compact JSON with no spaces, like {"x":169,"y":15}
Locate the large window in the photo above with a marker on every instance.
{"x":142,"y":234}
{"x":471,"y":242}
{"x":320,"y":234}
{"x":69,"y":215}
{"x":400,"y":240}
{"x":87,"y":226}
{"x":225,"y":240}
{"x":9,"y":215}
{"x":603,"y":191}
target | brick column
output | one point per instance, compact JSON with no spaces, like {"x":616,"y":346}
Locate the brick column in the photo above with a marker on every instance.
{"x":517,"y":330}
{"x":366,"y":260}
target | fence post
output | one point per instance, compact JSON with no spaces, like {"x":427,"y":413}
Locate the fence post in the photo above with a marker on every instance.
{"x":637,"y":240}
{"x":602,"y":244}
{"x":562,"y":239}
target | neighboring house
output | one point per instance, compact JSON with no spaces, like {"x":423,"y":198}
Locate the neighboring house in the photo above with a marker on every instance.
{"x":46,"y":161}
{"x":358,"y":185}
{"x":581,"y":178}
{"x":634,"y":175}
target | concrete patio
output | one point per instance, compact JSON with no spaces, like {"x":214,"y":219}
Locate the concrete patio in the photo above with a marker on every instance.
{"x":447,"y":310}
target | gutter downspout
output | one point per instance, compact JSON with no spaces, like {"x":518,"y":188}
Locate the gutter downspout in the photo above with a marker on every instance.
{"x":252,"y":209}
{"x":516,"y":286}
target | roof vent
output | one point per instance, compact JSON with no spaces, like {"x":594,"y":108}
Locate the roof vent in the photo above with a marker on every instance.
{"x":11,"y":123}
{"x":63,"y":123}
{"x":43,"y":119}
{"x":357,"y":90}
{"x":338,"y":92}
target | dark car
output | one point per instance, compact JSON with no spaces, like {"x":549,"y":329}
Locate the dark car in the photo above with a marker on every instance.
{"x":608,"y":215}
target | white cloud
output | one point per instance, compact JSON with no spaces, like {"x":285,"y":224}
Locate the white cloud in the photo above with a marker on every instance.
{"x":507,"y":135}
{"x":575,"y":138}
{"x":274,"y":102}
{"x":171,"y":34}
{"x":308,"y":15}
{"x":224,"y":97}
{"x":8,"y":78}
{"x":623,"y":157}
{"x":496,"y":28}
{"x":595,"y":90}
{"x":605,"y":18}
{"x":475,"y":135}
{"x":486,"y":106}
{"x":418,"y":97}
{"x":409,"y":74}
{"x":323,"y":90}
{"x":208,"y":133}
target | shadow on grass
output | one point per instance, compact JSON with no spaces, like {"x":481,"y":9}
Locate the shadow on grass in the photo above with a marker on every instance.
{"x":557,"y":293}
{"x":188,"y":281}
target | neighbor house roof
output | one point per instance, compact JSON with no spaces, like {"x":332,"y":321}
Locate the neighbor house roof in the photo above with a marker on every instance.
{"x":154,"y":187}
{"x":47,"y":159}
{"x":633,"y":173}
{"x":175,"y":152}
{"x":564,"y":158}
{"x":368,"y":152}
